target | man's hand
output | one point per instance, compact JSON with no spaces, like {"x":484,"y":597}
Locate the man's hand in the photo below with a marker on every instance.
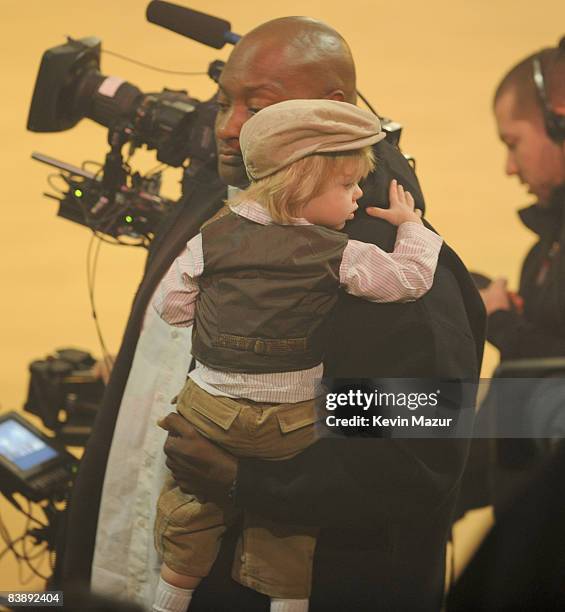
{"x":401,"y":207}
{"x":198,"y":466}
{"x":496,"y":296}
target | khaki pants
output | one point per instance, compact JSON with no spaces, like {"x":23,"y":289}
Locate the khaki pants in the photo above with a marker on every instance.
{"x":271,"y":558}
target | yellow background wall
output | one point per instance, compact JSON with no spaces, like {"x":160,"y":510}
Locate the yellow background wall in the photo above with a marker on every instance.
{"x":430,"y":65}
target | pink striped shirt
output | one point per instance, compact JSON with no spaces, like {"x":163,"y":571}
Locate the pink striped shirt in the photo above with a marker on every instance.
{"x":366,"y":271}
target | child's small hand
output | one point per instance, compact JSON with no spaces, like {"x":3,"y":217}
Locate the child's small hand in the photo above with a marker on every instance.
{"x":401,"y":207}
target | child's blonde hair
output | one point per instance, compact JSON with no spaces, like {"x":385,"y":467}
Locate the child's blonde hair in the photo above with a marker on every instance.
{"x":285,"y":192}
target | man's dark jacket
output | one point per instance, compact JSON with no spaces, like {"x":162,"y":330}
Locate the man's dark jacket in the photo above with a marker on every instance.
{"x":519,"y":566}
{"x":497,"y":472}
{"x":540,"y":330}
{"x":384,"y":505}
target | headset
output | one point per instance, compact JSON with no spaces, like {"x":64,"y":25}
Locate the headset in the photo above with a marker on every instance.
{"x":554,"y":122}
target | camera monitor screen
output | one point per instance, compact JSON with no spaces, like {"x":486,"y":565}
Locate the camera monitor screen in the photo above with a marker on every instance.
{"x":22,"y":447}
{"x":31,"y":463}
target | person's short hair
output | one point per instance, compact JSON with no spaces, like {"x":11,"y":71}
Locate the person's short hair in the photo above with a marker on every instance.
{"x":284,"y":193}
{"x":520,"y":80}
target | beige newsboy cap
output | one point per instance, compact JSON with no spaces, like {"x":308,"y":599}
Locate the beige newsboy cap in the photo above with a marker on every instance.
{"x":283,"y":133}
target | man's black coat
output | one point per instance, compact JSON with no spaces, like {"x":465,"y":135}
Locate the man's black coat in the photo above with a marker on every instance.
{"x":384,"y":505}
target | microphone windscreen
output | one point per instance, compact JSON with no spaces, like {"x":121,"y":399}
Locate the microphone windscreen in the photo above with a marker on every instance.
{"x":203,"y":28}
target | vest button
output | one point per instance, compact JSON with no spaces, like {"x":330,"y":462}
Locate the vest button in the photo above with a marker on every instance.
{"x":259,"y":347}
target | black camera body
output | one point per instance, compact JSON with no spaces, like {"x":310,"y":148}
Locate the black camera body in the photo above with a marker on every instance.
{"x":70,"y":86}
{"x":65,"y":394}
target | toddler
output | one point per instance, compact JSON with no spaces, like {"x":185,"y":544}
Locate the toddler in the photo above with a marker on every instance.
{"x":258,"y":284}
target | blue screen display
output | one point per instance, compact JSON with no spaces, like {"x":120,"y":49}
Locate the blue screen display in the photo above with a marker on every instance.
{"x":22,"y":447}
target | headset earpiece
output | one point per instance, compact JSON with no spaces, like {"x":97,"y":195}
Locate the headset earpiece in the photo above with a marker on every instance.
{"x":554,"y":122}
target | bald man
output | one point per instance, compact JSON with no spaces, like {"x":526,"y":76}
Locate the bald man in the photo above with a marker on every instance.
{"x":384,"y":506}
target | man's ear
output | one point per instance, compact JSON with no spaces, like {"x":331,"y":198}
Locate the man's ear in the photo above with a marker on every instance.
{"x":336,"y":95}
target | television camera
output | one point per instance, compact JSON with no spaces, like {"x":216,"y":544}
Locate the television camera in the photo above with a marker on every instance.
{"x":116,"y":201}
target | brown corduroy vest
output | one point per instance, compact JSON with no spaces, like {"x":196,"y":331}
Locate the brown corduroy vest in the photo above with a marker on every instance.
{"x":265,"y":295}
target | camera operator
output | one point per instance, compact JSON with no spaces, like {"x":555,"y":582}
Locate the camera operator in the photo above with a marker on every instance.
{"x":535,"y":145}
{"x":519,"y":566}
{"x":384,"y":505}
{"x":529,"y":107}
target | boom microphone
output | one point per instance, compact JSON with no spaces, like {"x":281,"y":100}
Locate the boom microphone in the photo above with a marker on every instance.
{"x":208,"y":30}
